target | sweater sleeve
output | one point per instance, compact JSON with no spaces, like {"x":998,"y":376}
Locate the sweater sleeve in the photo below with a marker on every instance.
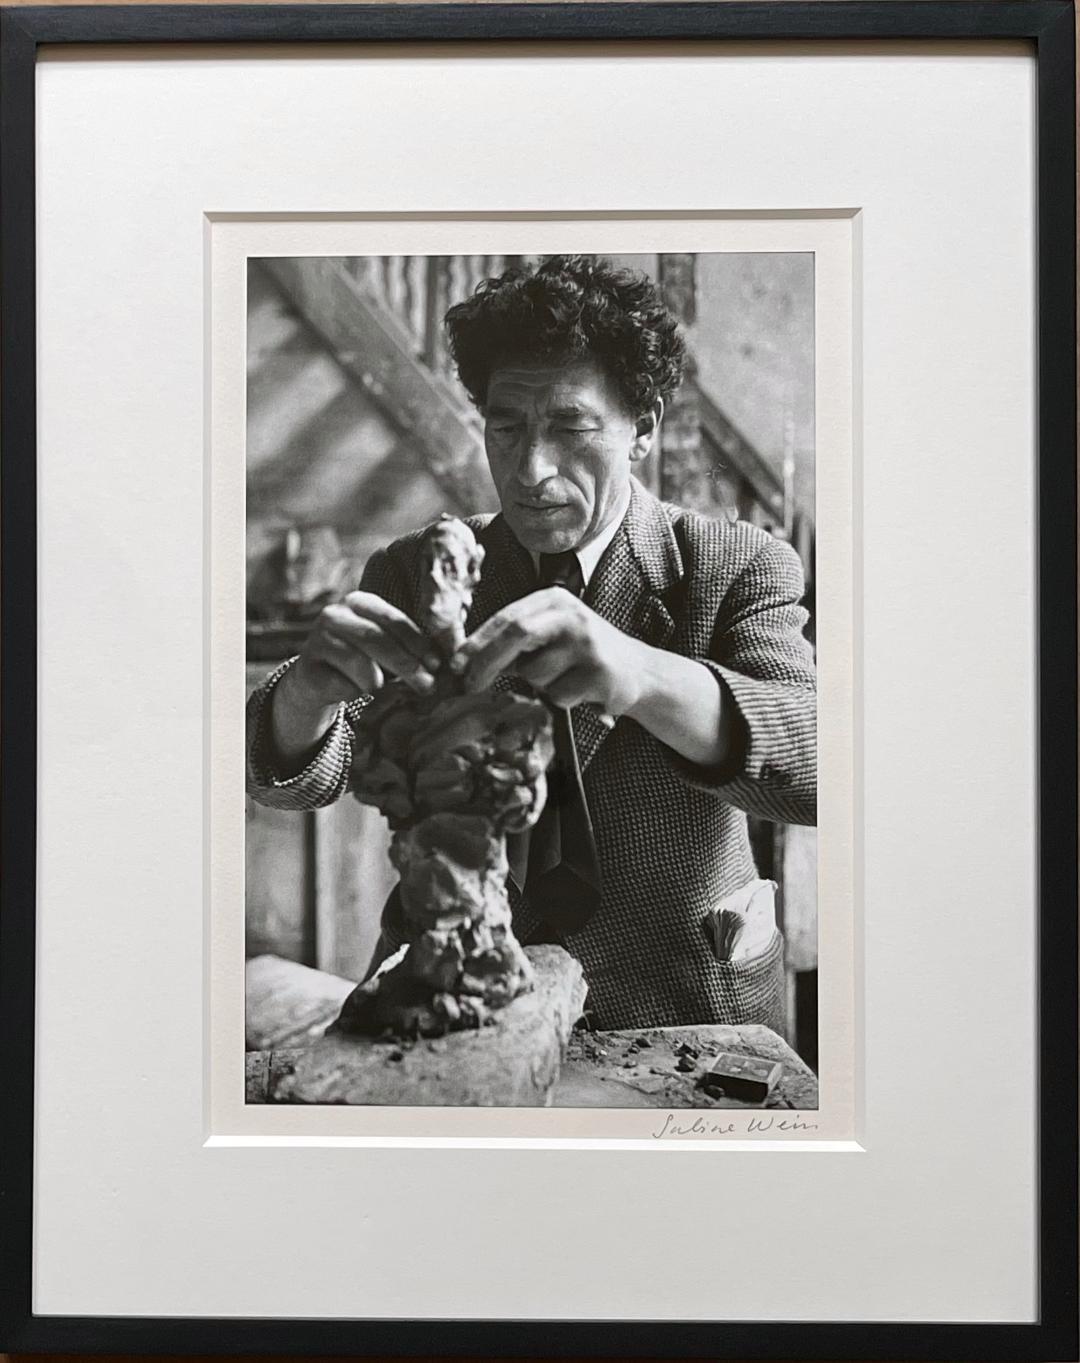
{"x":765,"y":666}
{"x":326,"y":775}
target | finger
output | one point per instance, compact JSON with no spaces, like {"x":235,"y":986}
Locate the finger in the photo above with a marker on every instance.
{"x":536,"y":603}
{"x":367,"y":606}
{"x":517,"y":635}
{"x":371,"y":640}
{"x":346,"y":674}
{"x":546,"y":665}
{"x":377,"y":678}
{"x":572,"y":688}
{"x":366,"y":680}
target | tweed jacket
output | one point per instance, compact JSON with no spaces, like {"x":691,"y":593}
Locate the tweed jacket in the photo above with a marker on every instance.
{"x":671,"y":837}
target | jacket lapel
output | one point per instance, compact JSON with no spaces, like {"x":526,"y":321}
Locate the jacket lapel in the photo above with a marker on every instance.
{"x":639,"y":567}
{"x":505,"y":575}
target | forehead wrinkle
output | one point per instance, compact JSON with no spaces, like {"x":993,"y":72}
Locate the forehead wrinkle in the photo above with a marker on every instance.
{"x":551,"y":392}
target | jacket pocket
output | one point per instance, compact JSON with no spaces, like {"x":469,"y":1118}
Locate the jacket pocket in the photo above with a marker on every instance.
{"x":753,"y":990}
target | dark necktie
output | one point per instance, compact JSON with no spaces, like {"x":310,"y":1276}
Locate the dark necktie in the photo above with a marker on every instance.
{"x":563,"y":880}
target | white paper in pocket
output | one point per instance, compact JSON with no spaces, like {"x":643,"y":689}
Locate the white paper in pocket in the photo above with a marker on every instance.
{"x":742,"y":924}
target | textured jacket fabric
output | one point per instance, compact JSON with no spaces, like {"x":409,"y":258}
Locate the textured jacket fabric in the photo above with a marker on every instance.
{"x":671,"y":837}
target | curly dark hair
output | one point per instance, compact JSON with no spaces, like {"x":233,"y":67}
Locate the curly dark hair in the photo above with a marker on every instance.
{"x":570,"y":308}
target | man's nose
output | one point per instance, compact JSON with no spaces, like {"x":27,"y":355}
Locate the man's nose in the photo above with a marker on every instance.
{"x":537,"y":463}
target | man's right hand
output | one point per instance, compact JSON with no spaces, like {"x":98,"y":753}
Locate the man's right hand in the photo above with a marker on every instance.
{"x":352,"y":646}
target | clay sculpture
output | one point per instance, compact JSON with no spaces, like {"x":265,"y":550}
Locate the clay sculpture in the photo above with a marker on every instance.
{"x":454,"y":773}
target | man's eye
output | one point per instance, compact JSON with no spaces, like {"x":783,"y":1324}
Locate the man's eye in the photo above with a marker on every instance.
{"x":577,"y":430}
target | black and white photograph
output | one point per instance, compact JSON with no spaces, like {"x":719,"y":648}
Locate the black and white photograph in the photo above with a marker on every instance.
{"x":531,"y":731}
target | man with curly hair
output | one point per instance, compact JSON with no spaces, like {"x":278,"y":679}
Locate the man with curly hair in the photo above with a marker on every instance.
{"x":671,"y":642}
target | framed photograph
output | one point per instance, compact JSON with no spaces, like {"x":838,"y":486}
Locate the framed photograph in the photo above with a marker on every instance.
{"x":711,"y":956}
{"x":539,"y":691}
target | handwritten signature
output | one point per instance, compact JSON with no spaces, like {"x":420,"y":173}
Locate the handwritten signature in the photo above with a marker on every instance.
{"x":740,"y":1126}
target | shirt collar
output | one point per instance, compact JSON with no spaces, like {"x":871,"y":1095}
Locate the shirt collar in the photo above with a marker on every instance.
{"x":590,"y":553}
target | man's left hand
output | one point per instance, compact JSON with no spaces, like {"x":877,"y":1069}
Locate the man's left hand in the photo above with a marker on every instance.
{"x":559,"y":645}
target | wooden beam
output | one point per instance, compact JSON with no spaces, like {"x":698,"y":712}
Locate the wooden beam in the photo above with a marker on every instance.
{"x":743,"y":457}
{"x":377,"y":350}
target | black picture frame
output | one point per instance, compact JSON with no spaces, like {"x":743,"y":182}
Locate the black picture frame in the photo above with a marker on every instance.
{"x":1050,"y":26}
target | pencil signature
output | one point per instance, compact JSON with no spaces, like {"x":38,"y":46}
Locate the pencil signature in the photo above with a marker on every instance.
{"x":755,"y":1124}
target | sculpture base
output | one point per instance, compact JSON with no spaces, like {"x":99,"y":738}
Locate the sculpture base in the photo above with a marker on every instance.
{"x":513,"y":1061}
{"x":473,"y":985}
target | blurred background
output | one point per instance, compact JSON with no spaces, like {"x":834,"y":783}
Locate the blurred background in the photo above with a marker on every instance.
{"x":358,"y":431}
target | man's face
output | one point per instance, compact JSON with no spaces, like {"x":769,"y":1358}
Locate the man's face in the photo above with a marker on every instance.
{"x":560,"y":445}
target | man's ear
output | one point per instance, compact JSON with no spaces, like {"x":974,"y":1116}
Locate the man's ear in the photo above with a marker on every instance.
{"x":645,"y":430}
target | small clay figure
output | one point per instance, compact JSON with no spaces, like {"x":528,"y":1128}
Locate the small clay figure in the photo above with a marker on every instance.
{"x":453,"y":773}
{"x":452,"y":560}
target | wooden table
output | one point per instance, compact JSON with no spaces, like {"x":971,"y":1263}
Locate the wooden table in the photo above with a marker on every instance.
{"x":289,"y":1007}
{"x":663,"y":1066}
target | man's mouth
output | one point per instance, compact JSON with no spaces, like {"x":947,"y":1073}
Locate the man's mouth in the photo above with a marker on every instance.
{"x":542,"y":508}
